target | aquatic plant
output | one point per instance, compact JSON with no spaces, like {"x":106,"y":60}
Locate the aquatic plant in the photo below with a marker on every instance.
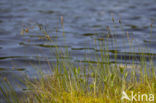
{"x":100,"y":81}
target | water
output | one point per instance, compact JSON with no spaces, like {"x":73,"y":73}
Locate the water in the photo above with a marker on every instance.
{"x":84,"y":20}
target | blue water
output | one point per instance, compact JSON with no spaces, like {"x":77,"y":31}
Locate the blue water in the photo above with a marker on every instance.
{"x":20,"y":54}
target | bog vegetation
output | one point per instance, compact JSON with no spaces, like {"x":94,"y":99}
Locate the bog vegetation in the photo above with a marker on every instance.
{"x":102,"y":81}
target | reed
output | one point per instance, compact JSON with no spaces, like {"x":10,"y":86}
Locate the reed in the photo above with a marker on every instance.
{"x":101,"y":81}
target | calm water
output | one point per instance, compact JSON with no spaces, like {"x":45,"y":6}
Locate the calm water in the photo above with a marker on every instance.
{"x":20,"y":54}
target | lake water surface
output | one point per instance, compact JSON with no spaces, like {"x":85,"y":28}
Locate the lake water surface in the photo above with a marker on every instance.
{"x":84,"y":20}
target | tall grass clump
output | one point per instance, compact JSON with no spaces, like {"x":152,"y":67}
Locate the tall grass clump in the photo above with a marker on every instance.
{"x":100,"y":81}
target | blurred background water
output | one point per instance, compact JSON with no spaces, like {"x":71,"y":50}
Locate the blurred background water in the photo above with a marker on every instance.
{"x":84,"y":20}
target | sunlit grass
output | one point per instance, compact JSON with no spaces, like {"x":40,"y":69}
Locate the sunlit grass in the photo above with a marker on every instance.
{"x":100,"y":86}
{"x":102,"y":81}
